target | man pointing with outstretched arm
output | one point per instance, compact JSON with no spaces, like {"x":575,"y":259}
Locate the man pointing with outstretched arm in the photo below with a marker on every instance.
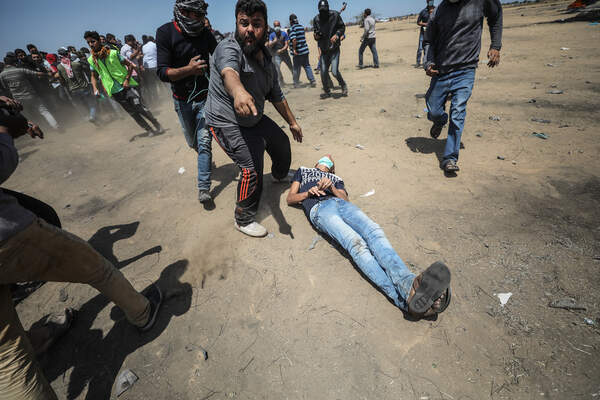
{"x":242,"y":77}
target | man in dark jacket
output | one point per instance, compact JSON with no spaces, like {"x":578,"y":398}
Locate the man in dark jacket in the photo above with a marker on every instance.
{"x":328,"y":30}
{"x":183,"y":48}
{"x":452,"y":47}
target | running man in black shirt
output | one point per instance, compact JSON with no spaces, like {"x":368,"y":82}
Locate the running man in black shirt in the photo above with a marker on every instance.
{"x":183,"y":48}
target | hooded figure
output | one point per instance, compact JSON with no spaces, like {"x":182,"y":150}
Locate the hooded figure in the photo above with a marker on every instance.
{"x":323,"y":9}
{"x":190,"y":26}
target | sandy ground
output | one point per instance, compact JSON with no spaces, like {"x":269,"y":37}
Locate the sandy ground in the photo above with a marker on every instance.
{"x":279,"y":321}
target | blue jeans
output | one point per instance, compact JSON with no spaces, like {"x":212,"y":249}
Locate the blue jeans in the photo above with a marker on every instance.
{"x":420,"y":48}
{"x":459,"y":84}
{"x":191,"y":116}
{"x":278,"y":59}
{"x":331,"y":59}
{"x":367,"y":245}
{"x":299,"y":63}
{"x":361,"y":50}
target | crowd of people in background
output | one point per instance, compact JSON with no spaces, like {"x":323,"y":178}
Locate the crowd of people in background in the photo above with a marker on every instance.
{"x":55,"y":88}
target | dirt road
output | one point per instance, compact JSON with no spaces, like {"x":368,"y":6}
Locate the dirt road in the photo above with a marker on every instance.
{"x":279,"y":321}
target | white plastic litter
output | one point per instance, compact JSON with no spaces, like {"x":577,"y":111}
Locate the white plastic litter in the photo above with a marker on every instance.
{"x":181,"y":171}
{"x":504,"y":298}
{"x":369,"y":193}
{"x":125,"y":380}
{"x":564,"y":48}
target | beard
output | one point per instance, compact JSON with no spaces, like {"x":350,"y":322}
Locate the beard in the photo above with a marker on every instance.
{"x":250,"y":49}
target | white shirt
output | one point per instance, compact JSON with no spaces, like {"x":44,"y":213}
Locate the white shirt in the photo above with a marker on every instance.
{"x":149,"y":50}
{"x":126,"y":51}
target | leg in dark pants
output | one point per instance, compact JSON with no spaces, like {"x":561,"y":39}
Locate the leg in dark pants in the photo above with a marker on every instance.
{"x":246,"y":146}
{"x":131,"y":102}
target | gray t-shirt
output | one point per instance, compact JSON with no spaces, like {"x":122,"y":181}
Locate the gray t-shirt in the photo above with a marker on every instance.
{"x":259,"y":80}
{"x":15,"y":80}
{"x":369,"y":28}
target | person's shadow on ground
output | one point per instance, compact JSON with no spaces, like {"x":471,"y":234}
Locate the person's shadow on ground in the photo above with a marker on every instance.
{"x":427,"y":145}
{"x":271,"y":196}
{"x":225,"y":174}
{"x":97,"y":359}
{"x":104,"y":240}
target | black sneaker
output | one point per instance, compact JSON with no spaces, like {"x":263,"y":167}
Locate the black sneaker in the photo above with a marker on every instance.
{"x":435,"y":131}
{"x":204,"y":196}
{"x":154,"y":296}
{"x":325,"y":95}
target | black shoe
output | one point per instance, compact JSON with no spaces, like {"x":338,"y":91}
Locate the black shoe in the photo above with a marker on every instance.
{"x":359,"y":66}
{"x":154,"y":296}
{"x":435,"y":131}
{"x":313,"y":84}
{"x":204,"y":196}
{"x":345,"y":90}
{"x":325,"y":95}
{"x":375,"y":66}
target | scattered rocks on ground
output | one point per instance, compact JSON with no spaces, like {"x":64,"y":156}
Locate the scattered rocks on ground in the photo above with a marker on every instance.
{"x":540,"y":135}
{"x":541,"y":120}
{"x":567,"y":303}
{"x":494,"y":118}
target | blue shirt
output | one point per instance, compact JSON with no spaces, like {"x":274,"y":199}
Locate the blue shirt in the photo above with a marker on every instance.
{"x":297,"y":32}
{"x":309,"y":177}
{"x":282,"y":39}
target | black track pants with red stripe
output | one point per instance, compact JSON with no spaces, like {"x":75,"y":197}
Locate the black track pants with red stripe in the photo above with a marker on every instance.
{"x":246,"y":147}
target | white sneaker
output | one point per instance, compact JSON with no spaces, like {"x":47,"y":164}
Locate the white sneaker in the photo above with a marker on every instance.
{"x":254,"y":229}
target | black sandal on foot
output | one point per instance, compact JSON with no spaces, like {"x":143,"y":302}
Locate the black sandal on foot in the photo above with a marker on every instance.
{"x":429,"y":286}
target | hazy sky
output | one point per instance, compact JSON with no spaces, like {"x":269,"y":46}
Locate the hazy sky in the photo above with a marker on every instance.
{"x":50,"y":24}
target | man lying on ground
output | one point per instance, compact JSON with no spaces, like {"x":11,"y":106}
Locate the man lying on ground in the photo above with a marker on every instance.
{"x":325,"y":201}
{"x":33,"y":250}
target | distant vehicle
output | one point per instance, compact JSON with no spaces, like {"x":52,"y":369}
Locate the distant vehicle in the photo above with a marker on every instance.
{"x":383,"y":20}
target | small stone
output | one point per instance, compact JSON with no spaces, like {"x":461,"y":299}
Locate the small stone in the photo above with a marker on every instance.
{"x":68,"y":206}
{"x":532,"y":101}
{"x":63,"y":295}
{"x":501,"y":158}
{"x":382,"y":110}
{"x":494,"y":118}
{"x":514,"y":162}
{"x":555,"y":92}
{"x":479,"y":134}
{"x":541,"y":120}
{"x":589,"y":321}
{"x":417,"y":116}
{"x":549,"y":65}
{"x":563,"y":126}
{"x":360,"y":147}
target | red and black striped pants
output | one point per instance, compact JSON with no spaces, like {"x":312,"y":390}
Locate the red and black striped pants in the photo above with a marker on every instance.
{"x":246,"y":147}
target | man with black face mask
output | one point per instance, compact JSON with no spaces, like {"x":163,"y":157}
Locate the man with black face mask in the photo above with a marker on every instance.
{"x":242,"y":77}
{"x":328,"y":29}
{"x":183,"y":47}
